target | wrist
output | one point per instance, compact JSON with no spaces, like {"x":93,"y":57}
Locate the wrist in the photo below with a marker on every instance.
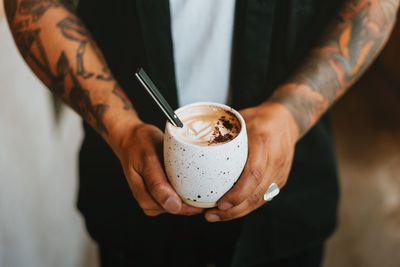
{"x":283,"y":116}
{"x":119,"y":127}
{"x":303,"y":104}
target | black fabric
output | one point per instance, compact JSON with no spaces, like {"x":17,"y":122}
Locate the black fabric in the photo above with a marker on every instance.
{"x":311,"y":257}
{"x":187,"y":246}
{"x":109,"y":257}
{"x":271,"y":37}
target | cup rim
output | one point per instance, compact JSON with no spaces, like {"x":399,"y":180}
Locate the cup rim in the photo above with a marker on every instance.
{"x":169,"y":126}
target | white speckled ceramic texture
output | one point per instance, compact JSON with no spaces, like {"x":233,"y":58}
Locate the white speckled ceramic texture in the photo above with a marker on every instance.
{"x":201,"y":175}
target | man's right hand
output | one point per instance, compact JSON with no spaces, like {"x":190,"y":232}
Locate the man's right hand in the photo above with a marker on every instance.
{"x":51,"y":42}
{"x":139,"y":148}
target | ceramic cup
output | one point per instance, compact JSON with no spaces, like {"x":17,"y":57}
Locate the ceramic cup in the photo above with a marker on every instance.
{"x":202,"y":174}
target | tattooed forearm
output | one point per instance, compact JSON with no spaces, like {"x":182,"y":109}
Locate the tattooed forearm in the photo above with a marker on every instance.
{"x":80,"y":100}
{"x":60,"y":50}
{"x":127,"y":105}
{"x":349,"y":46}
{"x":73,"y":30}
{"x":35,"y":8}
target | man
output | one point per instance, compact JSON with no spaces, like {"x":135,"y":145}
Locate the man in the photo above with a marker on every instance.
{"x":290,"y":61}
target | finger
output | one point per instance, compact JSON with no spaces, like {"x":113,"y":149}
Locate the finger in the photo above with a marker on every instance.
{"x":251,"y":178}
{"x":186,"y":210}
{"x":190,"y":211}
{"x":253,"y":202}
{"x":158,"y":185}
{"x":149,"y":206}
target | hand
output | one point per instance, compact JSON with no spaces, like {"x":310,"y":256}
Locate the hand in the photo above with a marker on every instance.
{"x":139,"y":148}
{"x":272,"y":135}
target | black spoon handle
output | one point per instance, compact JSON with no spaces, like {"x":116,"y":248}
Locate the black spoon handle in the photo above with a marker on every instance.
{"x":151,"y":88}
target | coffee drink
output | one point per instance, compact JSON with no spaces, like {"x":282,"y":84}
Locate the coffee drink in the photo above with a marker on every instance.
{"x":205,"y":158}
{"x":207,"y":125}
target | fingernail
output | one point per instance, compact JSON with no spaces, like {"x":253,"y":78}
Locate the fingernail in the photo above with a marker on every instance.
{"x":172,"y":205}
{"x":225,"y":206}
{"x":213,"y":218}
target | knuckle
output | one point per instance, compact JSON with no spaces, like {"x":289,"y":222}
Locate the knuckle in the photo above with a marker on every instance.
{"x":132,"y":175}
{"x":227,"y":215}
{"x":150,"y":158}
{"x":264,"y":138}
{"x":133,"y":182}
{"x":140,"y":164}
{"x":146,"y":162}
{"x":256,"y":198}
{"x":224,"y":216}
{"x":140,"y":129}
{"x":236,"y":197}
{"x":280,"y":162}
{"x":256,"y":175}
{"x":156,"y":187}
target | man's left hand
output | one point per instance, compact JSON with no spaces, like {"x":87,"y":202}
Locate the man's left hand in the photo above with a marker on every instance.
{"x":272,"y":135}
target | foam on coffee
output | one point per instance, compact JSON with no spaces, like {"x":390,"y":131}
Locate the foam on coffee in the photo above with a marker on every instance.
{"x":207,"y":125}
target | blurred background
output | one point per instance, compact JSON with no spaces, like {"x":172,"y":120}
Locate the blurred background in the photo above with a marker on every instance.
{"x":40,"y":139}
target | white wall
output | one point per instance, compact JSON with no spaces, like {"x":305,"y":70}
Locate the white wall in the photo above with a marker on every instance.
{"x":39,"y":224}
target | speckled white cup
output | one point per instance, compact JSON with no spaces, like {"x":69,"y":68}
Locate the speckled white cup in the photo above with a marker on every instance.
{"x":201,"y":175}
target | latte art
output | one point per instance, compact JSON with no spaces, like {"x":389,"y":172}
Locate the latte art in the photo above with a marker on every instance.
{"x":207,"y":125}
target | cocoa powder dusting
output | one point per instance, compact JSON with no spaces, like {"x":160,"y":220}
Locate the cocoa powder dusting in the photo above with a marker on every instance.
{"x":222,"y":138}
{"x":229,"y":124}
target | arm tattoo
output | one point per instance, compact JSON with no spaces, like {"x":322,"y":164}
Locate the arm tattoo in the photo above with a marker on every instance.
{"x":31,"y":47}
{"x":80,"y":101}
{"x":71,"y":73}
{"x":349,"y":46}
{"x":35,"y":9}
{"x":74,"y":30}
{"x":121,"y":95}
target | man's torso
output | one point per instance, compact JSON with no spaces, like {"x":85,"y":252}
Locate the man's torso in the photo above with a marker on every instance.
{"x":270,"y":38}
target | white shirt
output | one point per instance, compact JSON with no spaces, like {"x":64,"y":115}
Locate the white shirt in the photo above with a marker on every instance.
{"x":202,"y":45}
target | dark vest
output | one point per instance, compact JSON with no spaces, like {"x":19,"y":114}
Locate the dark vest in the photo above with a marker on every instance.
{"x":270,"y":39}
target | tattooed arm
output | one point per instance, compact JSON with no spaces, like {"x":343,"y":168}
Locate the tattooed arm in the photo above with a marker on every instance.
{"x":349,"y":46}
{"x":61,"y":52}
